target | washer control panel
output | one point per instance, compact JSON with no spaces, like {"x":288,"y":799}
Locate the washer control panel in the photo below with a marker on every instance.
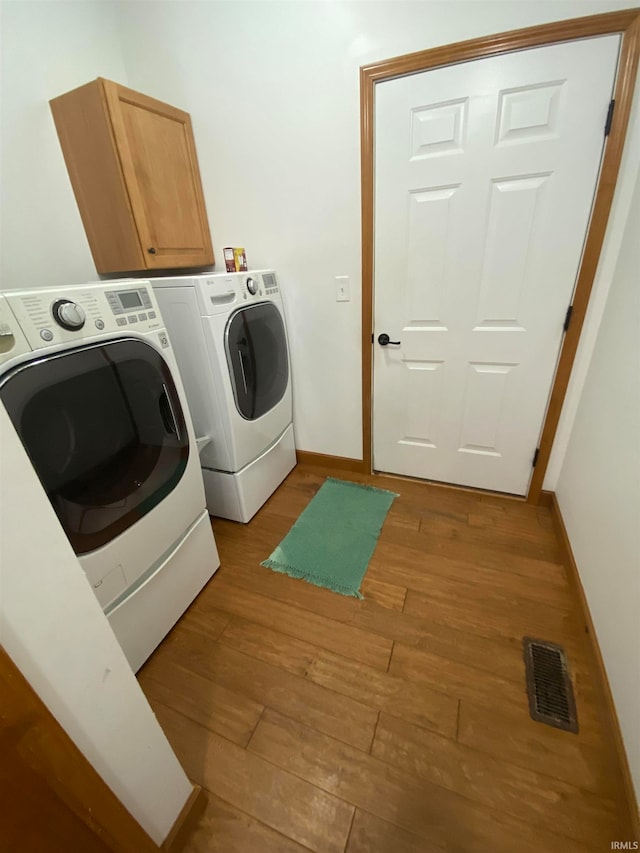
{"x":12,"y":340}
{"x":124,"y":300}
{"x":131,"y":305}
{"x":52,"y":316}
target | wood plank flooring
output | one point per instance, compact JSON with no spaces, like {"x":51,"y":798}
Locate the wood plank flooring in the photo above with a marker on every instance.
{"x":398,"y":723}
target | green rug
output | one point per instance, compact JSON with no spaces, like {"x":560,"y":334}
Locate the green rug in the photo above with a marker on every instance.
{"x":332,"y":541}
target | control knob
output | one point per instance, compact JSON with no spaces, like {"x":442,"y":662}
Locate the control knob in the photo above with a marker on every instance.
{"x":252,"y":286}
{"x":68,"y":314}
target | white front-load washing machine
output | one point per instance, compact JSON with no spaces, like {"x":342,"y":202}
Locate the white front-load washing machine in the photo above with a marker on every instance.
{"x":230,"y":338}
{"x":90,"y":382}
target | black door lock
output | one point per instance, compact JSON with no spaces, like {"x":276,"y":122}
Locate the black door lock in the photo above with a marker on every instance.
{"x":384,"y":341}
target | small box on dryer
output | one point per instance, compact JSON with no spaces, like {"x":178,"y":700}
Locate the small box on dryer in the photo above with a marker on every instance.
{"x":235,"y":260}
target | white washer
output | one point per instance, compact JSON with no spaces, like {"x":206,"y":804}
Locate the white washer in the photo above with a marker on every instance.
{"x":90,"y":382}
{"x":229,"y":334}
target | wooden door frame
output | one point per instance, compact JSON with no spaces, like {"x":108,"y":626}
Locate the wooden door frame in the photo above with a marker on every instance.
{"x":627,"y":24}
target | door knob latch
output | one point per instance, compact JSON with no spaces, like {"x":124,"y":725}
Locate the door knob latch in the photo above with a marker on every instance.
{"x":384,"y":340}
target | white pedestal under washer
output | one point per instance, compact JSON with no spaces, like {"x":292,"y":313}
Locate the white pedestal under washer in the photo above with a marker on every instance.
{"x":229,"y":334}
{"x":90,"y":382}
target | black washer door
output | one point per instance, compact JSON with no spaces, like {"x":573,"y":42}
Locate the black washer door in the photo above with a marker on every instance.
{"x":256,"y":346}
{"x":105,"y":432}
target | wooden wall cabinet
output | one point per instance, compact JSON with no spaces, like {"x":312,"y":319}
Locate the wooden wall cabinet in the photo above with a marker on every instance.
{"x":134,"y":172}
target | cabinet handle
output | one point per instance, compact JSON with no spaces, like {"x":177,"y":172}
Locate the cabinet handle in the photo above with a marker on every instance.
{"x":151,"y":251}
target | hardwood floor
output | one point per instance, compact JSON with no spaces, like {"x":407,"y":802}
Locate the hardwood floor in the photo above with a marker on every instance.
{"x":398,"y":723}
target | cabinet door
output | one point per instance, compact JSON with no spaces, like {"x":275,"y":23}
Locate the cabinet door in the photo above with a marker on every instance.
{"x":160,"y":167}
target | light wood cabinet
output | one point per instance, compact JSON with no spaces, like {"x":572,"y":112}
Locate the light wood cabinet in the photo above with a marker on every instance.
{"x":134,"y":171}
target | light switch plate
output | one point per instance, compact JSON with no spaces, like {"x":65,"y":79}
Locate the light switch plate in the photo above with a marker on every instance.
{"x":342,"y":288}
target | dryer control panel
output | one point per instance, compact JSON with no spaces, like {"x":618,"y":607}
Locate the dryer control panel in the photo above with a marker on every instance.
{"x":221,"y":293}
{"x":270,"y":283}
{"x":64,"y":315}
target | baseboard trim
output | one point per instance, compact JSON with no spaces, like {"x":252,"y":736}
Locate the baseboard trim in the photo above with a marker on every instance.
{"x":337,"y":463}
{"x":184,"y":824}
{"x":546,"y":499}
{"x":603,"y":687}
{"x":359,"y":466}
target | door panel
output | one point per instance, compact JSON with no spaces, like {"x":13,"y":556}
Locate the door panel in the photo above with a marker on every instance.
{"x":485,"y":393}
{"x":529,"y":113}
{"x":422,"y":403}
{"x":485,"y":174}
{"x":429,"y":214}
{"x":511,"y":229}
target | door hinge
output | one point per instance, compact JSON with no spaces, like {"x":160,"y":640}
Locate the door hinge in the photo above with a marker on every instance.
{"x":535,"y":457}
{"x":567,"y":319}
{"x":371,"y":337}
{"x":607,"y":124}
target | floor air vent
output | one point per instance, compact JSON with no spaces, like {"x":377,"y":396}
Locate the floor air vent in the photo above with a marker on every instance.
{"x":549,"y":686}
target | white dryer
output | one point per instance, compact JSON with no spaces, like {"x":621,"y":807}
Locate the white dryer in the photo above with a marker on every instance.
{"x":90,"y":382}
{"x":229,"y":334}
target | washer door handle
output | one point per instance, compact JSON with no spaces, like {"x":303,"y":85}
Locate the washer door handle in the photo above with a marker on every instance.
{"x":173,"y":426}
{"x":244,"y":378}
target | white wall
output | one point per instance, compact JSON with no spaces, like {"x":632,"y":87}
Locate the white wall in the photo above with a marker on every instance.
{"x":599,"y":487}
{"x":46,"y":48}
{"x":273,"y":91}
{"x":53,"y":628}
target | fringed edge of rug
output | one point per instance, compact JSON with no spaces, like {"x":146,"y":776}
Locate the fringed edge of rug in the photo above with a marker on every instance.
{"x":362,"y":486}
{"x":312,"y":578}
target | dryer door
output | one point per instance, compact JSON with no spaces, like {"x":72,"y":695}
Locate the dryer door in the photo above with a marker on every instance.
{"x":256,"y":346}
{"x":105,"y":431}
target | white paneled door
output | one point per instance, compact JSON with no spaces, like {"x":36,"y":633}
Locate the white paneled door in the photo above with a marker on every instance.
{"x":485,"y":173}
